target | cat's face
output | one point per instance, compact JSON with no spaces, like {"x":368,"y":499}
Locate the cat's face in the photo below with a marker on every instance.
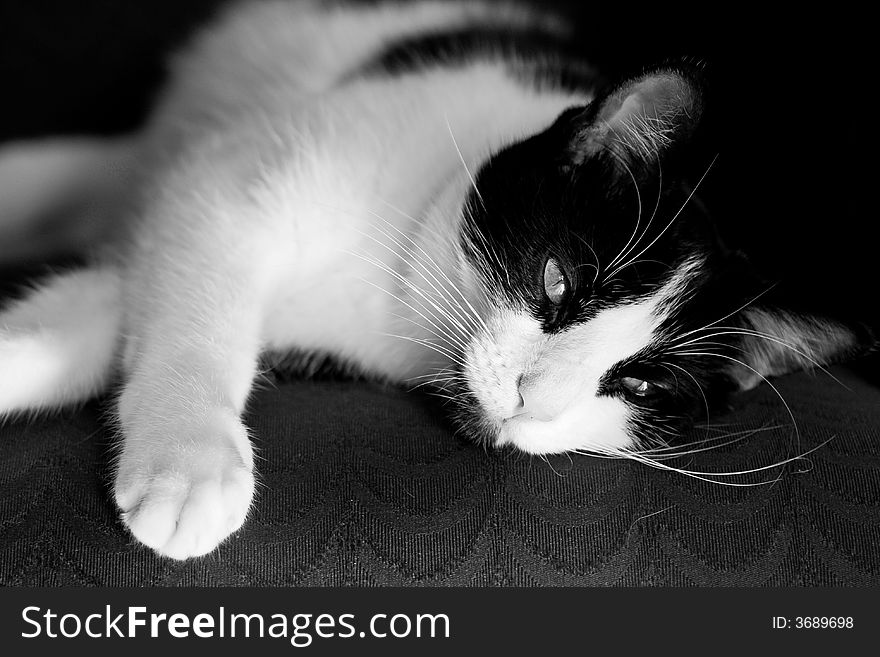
{"x":611,"y":314}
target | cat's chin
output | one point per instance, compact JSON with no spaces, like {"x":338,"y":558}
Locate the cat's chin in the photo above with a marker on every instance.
{"x":562,"y":434}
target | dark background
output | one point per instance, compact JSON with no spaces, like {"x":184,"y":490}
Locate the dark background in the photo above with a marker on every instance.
{"x":790,"y":187}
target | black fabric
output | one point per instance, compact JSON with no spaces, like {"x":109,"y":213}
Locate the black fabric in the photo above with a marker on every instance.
{"x":366,"y":485}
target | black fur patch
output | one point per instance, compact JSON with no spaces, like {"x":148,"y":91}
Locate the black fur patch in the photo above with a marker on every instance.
{"x":542,"y":57}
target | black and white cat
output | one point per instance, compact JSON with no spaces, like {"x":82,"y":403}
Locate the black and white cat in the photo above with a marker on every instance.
{"x":408,"y":188}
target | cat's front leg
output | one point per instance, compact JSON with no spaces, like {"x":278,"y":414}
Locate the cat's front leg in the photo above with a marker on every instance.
{"x":185,"y":477}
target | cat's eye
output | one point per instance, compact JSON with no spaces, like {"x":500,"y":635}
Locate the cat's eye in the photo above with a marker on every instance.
{"x":556,"y":285}
{"x":640,"y":387}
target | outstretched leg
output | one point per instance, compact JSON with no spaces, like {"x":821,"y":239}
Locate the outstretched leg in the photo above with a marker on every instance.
{"x":185,"y":470}
{"x":58,"y":344}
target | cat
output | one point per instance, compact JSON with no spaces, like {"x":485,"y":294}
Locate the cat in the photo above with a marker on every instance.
{"x":436,"y":193}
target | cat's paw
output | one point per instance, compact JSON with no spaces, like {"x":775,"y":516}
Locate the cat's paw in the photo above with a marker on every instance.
{"x":184,"y":497}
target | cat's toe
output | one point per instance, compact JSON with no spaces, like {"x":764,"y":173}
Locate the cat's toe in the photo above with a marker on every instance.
{"x":185,"y":499}
{"x":188,"y":519}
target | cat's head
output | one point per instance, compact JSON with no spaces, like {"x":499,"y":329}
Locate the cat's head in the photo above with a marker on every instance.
{"x":610,"y":313}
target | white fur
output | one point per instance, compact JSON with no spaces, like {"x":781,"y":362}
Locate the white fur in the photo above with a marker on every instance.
{"x":58,"y":345}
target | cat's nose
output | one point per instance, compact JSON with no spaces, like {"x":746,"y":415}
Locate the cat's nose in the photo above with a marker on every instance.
{"x":519,"y":381}
{"x":516,"y":402}
{"x":534,"y":399}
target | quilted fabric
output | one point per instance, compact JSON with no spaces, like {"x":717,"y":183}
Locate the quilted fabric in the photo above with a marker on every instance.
{"x":365,"y":485}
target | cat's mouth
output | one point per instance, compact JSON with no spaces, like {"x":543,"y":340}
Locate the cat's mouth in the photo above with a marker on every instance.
{"x":516,"y":425}
{"x":598,"y":426}
{"x":533,"y":433}
{"x":528,"y":433}
{"x":527,"y":415}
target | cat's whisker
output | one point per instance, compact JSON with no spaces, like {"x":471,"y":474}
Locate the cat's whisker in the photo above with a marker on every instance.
{"x":452,"y":398}
{"x":762,"y":377}
{"x":630,"y":249}
{"x":472,"y":230}
{"x":662,"y":466}
{"x":732,"y":330}
{"x":489,"y":250}
{"x":475,"y":316}
{"x":442,"y":371}
{"x":412,"y":264}
{"x":764,"y":468}
{"x":416,"y":261}
{"x":421,"y":223}
{"x":546,"y":460}
{"x":697,"y":383}
{"x":635,"y":262}
{"x":720,"y":426}
{"x":626,"y":246}
{"x":709,"y":444}
{"x":442,"y":377}
{"x":454,"y":342}
{"x":671,"y":221}
{"x":439,"y":331}
{"x":449,"y":331}
{"x":463,"y":163}
{"x":659,"y":191}
{"x":708,"y":347}
{"x":711,"y":439}
{"x":658,"y":428}
{"x":700,"y":343}
{"x":597,"y":266}
{"x":727,"y":316}
{"x":429,"y":345}
{"x":674,"y":375}
{"x":439,"y":383}
{"x":707,"y":476}
{"x":464,"y":321}
{"x":468,"y":314}
{"x":455,"y":346}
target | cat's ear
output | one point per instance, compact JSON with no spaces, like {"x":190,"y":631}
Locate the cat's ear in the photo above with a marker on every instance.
{"x":641,"y":119}
{"x":776,"y":342}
